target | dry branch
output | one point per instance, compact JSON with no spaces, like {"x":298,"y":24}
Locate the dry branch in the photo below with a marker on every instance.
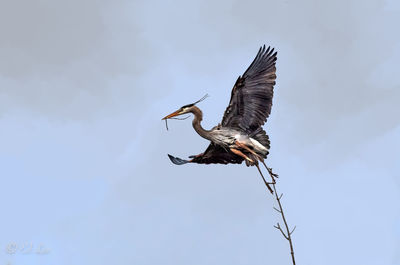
{"x":288,"y":234}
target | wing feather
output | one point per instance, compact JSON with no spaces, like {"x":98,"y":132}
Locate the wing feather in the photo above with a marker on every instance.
{"x":214,"y":154}
{"x":251,"y":96}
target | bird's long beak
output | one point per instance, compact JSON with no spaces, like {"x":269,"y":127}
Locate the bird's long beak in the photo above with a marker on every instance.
{"x":173,"y":114}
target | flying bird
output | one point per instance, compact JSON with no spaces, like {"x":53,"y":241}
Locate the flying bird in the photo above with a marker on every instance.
{"x":240,"y":136}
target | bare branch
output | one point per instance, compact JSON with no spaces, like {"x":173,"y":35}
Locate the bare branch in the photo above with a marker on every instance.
{"x":288,"y":234}
{"x":280,"y":229}
{"x":294,"y":228}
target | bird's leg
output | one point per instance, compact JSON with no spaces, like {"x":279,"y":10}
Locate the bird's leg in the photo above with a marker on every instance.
{"x":244,"y":146}
{"x":273,"y":175}
{"x":266,"y":183}
{"x":239,"y":153}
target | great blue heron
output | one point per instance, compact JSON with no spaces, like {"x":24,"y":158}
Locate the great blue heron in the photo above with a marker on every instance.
{"x":240,"y":135}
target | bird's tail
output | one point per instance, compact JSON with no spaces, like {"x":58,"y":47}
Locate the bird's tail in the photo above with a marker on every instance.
{"x":262,"y":137}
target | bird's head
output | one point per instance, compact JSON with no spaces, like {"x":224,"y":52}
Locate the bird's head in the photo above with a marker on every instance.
{"x":184,"y":109}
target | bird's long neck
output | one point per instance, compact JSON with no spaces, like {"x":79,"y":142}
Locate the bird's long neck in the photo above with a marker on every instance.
{"x":198,"y":117}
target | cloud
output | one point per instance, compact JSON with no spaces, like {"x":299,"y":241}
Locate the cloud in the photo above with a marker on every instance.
{"x":70,"y":60}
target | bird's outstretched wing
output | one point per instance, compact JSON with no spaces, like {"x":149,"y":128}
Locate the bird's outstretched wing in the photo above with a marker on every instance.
{"x":251,"y":97}
{"x":214,"y":154}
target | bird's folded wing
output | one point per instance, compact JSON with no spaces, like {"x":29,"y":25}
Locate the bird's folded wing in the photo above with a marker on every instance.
{"x":214,"y":154}
{"x":251,"y":97}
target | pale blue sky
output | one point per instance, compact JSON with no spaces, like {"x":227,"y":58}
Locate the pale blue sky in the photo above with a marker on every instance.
{"x":83,"y":88}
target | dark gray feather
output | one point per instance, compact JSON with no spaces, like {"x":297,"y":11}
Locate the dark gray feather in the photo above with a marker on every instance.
{"x":251,"y":97}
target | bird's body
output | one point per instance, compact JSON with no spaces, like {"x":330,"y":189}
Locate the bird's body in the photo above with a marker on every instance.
{"x":240,"y":135}
{"x":227,"y":137}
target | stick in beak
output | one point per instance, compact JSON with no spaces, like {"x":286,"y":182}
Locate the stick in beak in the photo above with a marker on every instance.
{"x":176,"y":113}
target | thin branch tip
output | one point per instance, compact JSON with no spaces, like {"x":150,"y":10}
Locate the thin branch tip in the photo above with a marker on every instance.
{"x":278,"y":198}
{"x":294,"y":228}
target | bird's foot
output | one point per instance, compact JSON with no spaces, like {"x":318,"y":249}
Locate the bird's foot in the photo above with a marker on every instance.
{"x":272,"y":173}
